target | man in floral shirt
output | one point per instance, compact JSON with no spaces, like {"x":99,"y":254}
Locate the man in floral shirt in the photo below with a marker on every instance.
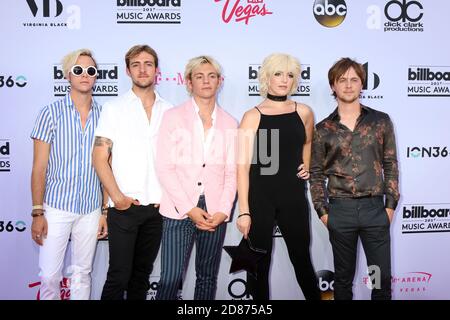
{"x":354,"y":149}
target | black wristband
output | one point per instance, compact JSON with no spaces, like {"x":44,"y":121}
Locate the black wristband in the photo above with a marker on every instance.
{"x":244,"y":214}
{"x":37,"y":213}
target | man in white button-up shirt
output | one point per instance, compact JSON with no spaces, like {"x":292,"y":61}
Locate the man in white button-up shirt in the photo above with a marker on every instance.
{"x":123,"y":157}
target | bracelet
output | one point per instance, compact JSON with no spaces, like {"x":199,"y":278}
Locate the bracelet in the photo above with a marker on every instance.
{"x":244,"y":214}
{"x":37,"y":214}
{"x":105,"y":210}
{"x":37,"y":206}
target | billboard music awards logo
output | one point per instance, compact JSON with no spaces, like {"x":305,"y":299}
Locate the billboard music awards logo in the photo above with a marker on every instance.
{"x":400,"y":16}
{"x":50,"y":14}
{"x":107,"y":84}
{"x":330,"y":13}
{"x":370,"y":85}
{"x":427,"y":152}
{"x":428,"y":81}
{"x":149,"y":11}
{"x":154,"y":284}
{"x":5,"y":159}
{"x":425,"y":218}
{"x":303,"y":89}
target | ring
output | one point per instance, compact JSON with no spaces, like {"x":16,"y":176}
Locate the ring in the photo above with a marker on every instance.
{"x":38,"y":236}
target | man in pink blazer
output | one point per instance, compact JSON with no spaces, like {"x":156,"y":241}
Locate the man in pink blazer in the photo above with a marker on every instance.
{"x":196,"y":166}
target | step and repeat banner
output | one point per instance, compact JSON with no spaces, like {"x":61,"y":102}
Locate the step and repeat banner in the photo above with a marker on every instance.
{"x":403,"y":45}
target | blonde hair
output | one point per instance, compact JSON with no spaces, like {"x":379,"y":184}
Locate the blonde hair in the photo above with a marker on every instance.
{"x":196,"y":62}
{"x":71,"y":58}
{"x":274,"y":63}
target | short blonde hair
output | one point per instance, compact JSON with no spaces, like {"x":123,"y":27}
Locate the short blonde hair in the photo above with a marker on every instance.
{"x":71,"y":58}
{"x":274,"y":63}
{"x":196,"y":62}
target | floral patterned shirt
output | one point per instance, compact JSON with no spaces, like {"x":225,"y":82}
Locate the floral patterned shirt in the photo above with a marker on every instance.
{"x":357,"y":163}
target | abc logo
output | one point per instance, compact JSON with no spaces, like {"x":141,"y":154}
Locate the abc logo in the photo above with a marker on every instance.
{"x":396,"y":10}
{"x":326,"y":283}
{"x":330,"y":13}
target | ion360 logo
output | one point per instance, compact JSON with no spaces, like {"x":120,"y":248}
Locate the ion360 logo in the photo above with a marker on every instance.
{"x":11,"y":81}
{"x":10,"y":226}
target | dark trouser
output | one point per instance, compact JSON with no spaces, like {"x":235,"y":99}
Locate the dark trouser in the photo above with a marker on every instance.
{"x":178,"y":238}
{"x":292,"y":216}
{"x":366,"y":218}
{"x":134,"y":239}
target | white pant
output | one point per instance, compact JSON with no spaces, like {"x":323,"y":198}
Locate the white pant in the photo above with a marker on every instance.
{"x":83,"y":232}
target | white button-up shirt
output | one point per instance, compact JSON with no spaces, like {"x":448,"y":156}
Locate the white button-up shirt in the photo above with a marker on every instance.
{"x":206,"y":140}
{"x":125,"y":122}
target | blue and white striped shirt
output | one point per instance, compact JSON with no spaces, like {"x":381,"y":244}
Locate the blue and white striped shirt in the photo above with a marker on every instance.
{"x":71,"y":182}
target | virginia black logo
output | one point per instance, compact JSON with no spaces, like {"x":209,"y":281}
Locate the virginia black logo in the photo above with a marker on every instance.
{"x":45,"y":7}
{"x":375,"y":78}
{"x":370,"y":84}
{"x":330,"y":13}
{"x":49,"y":14}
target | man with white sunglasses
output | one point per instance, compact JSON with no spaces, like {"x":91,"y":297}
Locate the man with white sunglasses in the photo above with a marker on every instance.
{"x":66,"y":191}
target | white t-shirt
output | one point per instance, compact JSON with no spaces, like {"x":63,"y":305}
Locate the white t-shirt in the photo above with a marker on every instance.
{"x":124,"y":121}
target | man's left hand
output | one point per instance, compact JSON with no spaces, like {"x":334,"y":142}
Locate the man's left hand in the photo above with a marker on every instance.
{"x":216,"y":219}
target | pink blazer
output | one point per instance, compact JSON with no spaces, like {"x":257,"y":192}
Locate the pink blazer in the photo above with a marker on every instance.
{"x":181,"y":166}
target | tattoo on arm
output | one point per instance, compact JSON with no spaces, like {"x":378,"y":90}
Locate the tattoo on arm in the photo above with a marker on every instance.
{"x":101,"y":141}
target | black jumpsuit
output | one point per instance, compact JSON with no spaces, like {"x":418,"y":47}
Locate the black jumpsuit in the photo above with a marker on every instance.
{"x":278,"y":197}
